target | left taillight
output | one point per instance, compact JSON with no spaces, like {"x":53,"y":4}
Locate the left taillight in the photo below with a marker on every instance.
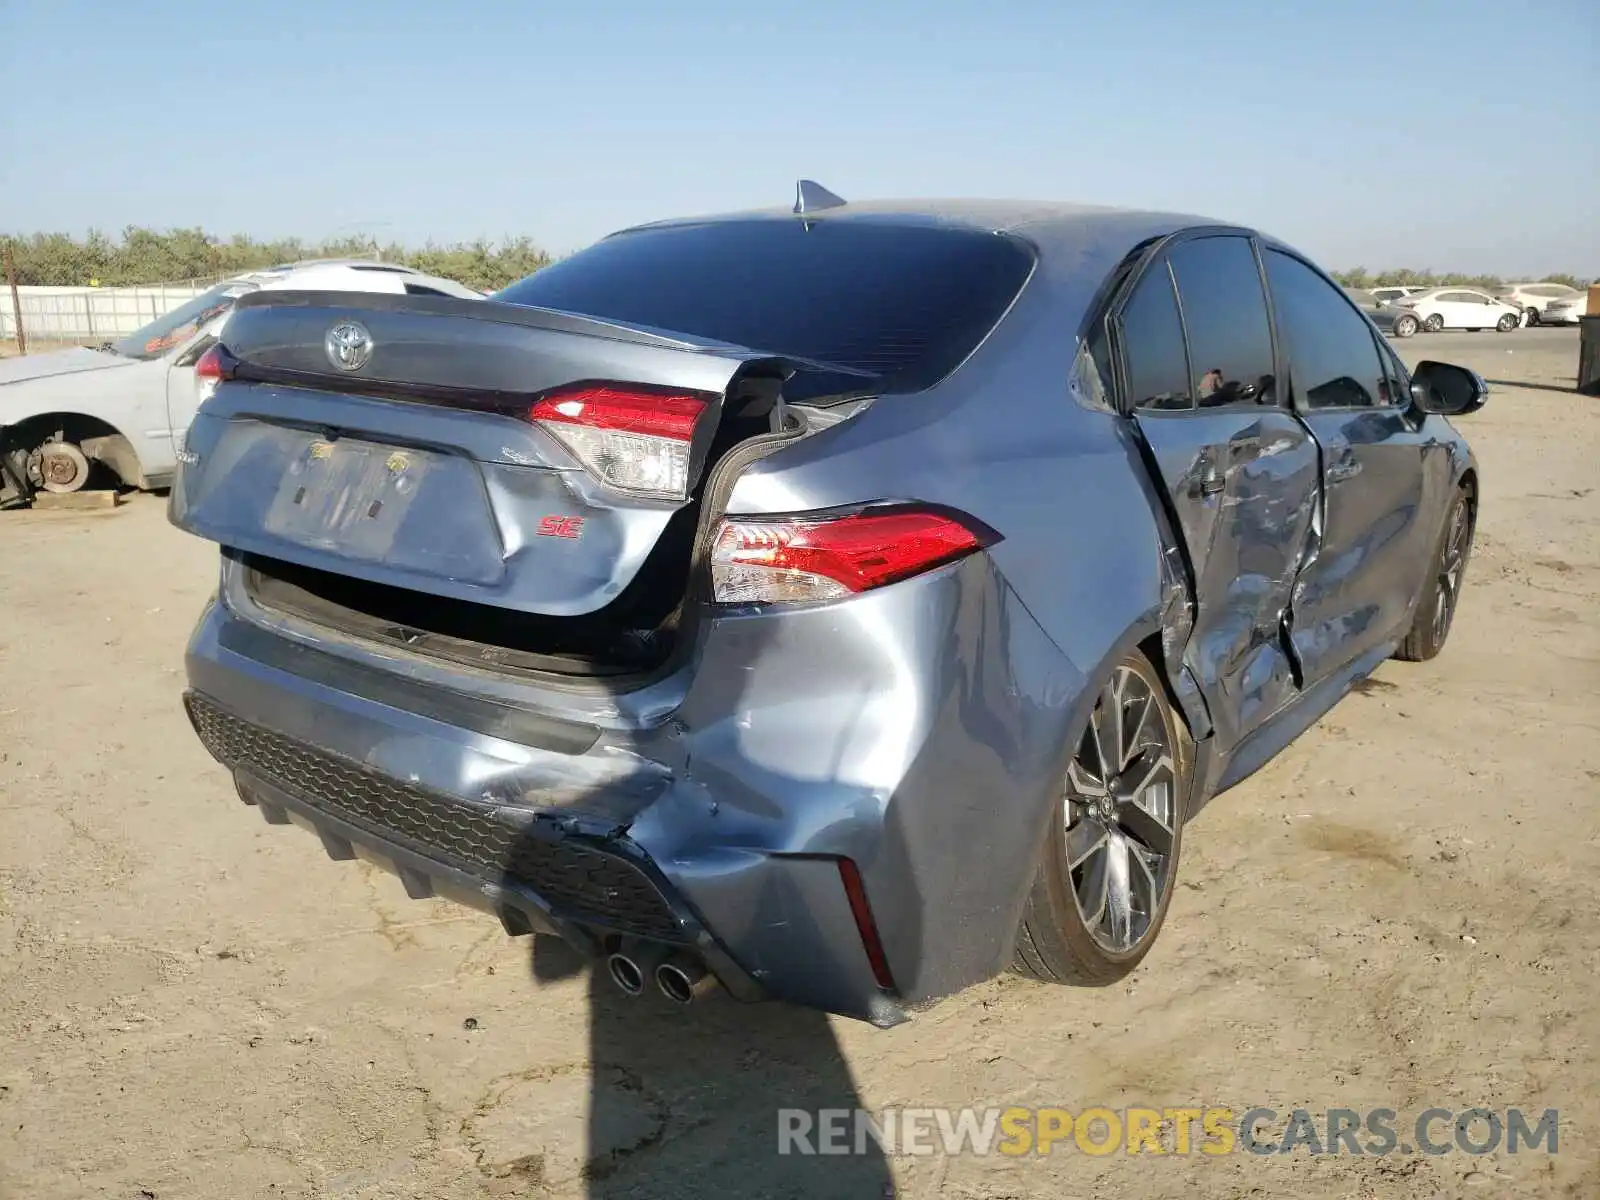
{"x":212,"y":368}
{"x":821,"y":557}
{"x":632,"y":439}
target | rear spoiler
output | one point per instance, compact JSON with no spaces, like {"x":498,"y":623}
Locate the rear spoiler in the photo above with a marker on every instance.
{"x":472,"y":353}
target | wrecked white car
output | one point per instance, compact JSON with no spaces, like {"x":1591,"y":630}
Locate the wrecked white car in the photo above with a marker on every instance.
{"x":116,"y":414}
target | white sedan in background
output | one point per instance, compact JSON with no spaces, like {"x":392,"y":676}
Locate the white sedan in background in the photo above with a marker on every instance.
{"x":1566,"y":310}
{"x":1454,"y":308}
{"x":124,"y":408}
{"x":1534,"y":298}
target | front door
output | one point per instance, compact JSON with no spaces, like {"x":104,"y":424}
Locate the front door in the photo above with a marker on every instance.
{"x":1372,"y":543}
{"x":1239,"y":471}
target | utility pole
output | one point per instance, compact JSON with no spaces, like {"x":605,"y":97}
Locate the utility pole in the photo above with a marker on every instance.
{"x":16,"y":300}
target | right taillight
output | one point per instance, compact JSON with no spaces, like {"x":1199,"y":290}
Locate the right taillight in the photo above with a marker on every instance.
{"x":810,"y":558}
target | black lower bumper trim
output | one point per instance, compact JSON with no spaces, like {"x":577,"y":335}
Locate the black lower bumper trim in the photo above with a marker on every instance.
{"x":578,"y":880}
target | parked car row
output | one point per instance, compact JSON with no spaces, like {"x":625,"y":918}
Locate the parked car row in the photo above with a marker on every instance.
{"x":1404,"y":311}
{"x":1455,"y":307}
{"x":1433,"y":309}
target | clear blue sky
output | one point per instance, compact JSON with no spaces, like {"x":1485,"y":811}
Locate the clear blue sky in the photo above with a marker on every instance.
{"x":1452,"y":134}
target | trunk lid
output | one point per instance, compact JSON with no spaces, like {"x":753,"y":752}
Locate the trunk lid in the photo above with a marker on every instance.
{"x":389,"y":439}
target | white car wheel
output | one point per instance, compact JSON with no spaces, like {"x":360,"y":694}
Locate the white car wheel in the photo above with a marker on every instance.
{"x":58,"y":467}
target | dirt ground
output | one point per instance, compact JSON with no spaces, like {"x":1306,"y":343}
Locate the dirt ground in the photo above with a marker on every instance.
{"x":1399,"y":912}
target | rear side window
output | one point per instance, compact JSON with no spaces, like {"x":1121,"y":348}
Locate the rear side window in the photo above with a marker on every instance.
{"x":1225,"y":314}
{"x":904,"y":303}
{"x":1333,"y":360}
{"x":1152,"y":345}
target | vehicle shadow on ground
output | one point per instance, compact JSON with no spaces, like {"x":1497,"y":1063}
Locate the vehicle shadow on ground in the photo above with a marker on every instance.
{"x":685,"y":1101}
{"x":1534,"y":387}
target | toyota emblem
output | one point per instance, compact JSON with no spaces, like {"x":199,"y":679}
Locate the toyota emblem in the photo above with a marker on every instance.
{"x":349,"y":346}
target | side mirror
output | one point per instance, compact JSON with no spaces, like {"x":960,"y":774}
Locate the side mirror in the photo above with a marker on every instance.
{"x":1447,"y":390}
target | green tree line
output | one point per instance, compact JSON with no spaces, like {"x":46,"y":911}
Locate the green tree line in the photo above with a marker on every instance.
{"x":146,"y":256}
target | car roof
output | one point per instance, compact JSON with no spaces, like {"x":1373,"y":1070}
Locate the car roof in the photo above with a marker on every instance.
{"x":1078,"y":245}
{"x":1046,"y":223}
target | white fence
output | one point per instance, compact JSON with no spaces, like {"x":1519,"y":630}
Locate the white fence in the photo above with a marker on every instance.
{"x":83,"y":314}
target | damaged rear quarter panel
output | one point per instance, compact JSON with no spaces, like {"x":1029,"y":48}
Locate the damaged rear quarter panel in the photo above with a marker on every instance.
{"x":915,"y":731}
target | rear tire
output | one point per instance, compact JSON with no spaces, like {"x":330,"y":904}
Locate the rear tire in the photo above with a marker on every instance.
{"x":1096,"y":909}
{"x":1405,"y":326}
{"x":1441,"y":590}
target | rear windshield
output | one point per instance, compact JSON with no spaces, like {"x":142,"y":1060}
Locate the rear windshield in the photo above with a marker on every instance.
{"x":902,"y":303}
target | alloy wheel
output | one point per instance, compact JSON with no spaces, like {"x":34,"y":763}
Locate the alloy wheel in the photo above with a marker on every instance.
{"x":1452,"y":565}
{"x":1121,"y":813}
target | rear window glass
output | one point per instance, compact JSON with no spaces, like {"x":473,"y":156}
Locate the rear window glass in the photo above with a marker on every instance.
{"x":1225,"y":316}
{"x":903,"y":303}
{"x":1152,"y":336}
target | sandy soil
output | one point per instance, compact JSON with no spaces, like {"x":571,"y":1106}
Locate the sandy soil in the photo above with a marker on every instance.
{"x":1399,"y":912}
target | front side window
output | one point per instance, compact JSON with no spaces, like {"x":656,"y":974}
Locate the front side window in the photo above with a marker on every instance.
{"x":1332,"y":360}
{"x":1152,"y":345}
{"x":1225,"y":315}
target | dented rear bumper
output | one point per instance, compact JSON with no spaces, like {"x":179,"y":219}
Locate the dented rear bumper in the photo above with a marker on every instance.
{"x":913,"y":732}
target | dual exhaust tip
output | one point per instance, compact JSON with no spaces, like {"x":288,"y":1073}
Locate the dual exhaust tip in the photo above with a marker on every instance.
{"x":680,"y":979}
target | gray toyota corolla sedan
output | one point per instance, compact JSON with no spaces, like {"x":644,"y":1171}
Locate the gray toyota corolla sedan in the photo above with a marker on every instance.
{"x":840,"y":605}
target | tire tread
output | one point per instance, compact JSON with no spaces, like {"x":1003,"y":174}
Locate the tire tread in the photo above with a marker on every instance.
{"x":1048,"y":952}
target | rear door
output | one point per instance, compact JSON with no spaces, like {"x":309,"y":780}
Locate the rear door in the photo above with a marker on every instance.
{"x":1458,"y":310}
{"x":1239,"y":472}
{"x":1381,"y":473}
